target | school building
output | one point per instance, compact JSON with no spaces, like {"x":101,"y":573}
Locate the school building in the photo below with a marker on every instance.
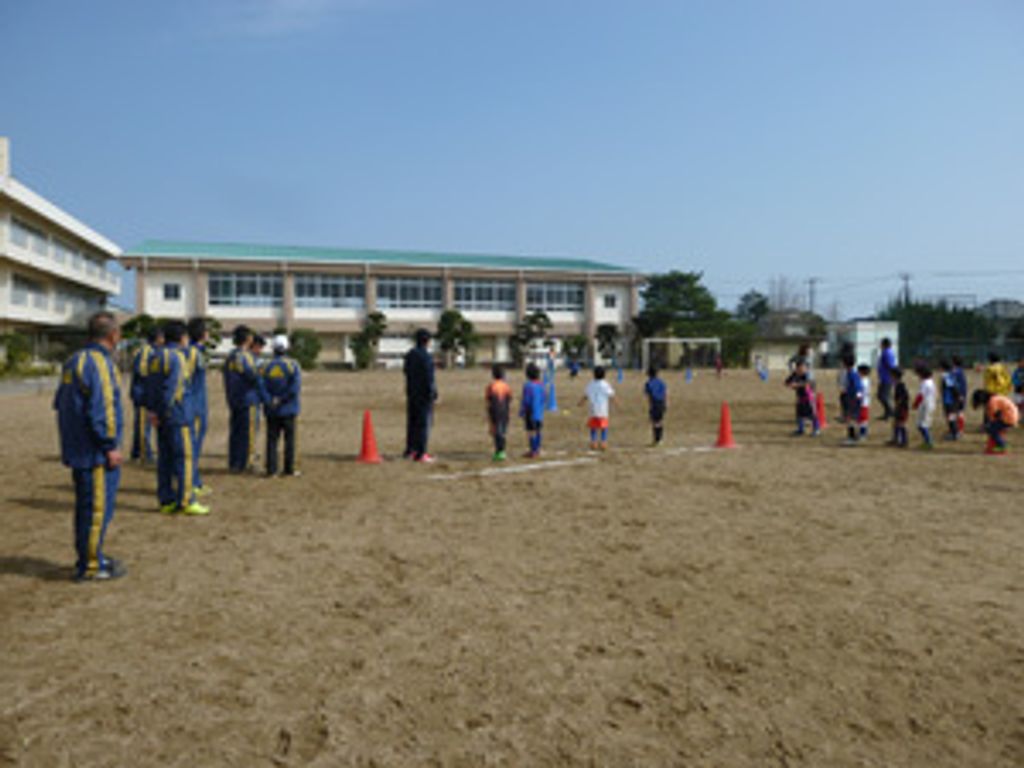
{"x":54,"y":270}
{"x":330,"y":291}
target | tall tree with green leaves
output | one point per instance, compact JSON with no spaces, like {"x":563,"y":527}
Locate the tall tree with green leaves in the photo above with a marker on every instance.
{"x":753,"y":305}
{"x":364,"y":345}
{"x":455,"y":333}
{"x":533,"y":327}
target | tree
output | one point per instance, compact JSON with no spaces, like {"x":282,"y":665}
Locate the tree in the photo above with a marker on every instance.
{"x":924,"y":326}
{"x":305,"y":347}
{"x":608,"y":340}
{"x":528,"y":330}
{"x":17,"y":350}
{"x":575,"y":347}
{"x":139,"y":327}
{"x":365,"y":343}
{"x":752,"y":307}
{"x":672,"y":297}
{"x":455,"y":333}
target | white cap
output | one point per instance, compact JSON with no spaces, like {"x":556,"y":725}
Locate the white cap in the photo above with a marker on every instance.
{"x":279,"y":343}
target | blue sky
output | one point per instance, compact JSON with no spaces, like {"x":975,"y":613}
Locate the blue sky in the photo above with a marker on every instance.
{"x":848,"y":141}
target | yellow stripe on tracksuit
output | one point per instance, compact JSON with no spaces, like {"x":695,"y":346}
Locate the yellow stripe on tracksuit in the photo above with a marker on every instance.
{"x":107,"y":387}
{"x":99,"y":510}
{"x":186,"y":441}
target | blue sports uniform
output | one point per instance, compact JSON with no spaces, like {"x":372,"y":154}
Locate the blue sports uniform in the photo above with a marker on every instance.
{"x":171,"y":398}
{"x":242,"y":388}
{"x":91,"y":423}
{"x":420,"y":394}
{"x":657,"y":393}
{"x":854,"y":396}
{"x":142,"y":443}
{"x":531,"y":409}
{"x":282,"y":384}
{"x":196,"y":359}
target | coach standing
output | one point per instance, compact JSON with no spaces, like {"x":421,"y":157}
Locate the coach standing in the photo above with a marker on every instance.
{"x":91,"y":422}
{"x":886,"y":364}
{"x":421,"y":394}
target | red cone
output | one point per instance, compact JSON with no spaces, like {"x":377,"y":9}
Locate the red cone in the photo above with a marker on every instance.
{"x":368,"y":454}
{"x":725,"y":429}
{"x":819,"y":406}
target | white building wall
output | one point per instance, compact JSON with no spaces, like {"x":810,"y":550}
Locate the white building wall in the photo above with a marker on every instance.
{"x":340,"y":314}
{"x":155,"y":303}
{"x":489,"y":316}
{"x":619,"y":314}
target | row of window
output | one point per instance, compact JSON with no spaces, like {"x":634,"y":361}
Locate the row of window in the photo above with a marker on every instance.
{"x":32,"y":239}
{"x":331,"y":291}
{"x":25,"y":292}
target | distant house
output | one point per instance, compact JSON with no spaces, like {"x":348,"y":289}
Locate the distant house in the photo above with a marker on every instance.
{"x":1002,"y":310}
{"x":865,"y":337}
{"x":780,"y":334}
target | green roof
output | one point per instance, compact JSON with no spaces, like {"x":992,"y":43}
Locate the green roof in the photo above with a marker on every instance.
{"x":177,"y":249}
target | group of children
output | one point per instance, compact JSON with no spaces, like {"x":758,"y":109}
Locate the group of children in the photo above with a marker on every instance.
{"x":598,"y":396}
{"x":996,"y":398}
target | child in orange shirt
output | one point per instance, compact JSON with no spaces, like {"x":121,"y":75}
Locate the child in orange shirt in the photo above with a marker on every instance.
{"x":498,"y":397}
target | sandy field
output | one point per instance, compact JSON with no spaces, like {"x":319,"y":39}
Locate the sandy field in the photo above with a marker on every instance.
{"x":789,"y":603}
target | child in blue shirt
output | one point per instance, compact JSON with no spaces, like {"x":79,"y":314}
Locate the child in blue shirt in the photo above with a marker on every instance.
{"x":531,"y":409}
{"x":657,"y":400}
{"x":854,"y":395}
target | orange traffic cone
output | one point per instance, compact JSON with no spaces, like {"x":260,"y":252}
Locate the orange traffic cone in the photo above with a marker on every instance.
{"x":368,"y":454}
{"x":725,"y":429}
{"x":819,"y":406}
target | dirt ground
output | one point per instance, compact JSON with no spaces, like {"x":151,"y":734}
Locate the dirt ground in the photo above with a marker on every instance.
{"x":789,"y":603}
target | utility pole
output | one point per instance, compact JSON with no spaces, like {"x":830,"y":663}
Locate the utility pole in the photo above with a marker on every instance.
{"x":905,"y":277}
{"x":812,"y":285}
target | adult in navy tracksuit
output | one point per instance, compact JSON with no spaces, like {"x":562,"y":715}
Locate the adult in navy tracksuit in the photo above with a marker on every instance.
{"x":172,"y":409}
{"x":142,"y":443}
{"x":421,"y":394}
{"x":198,"y":336}
{"x":886,"y":364}
{"x":91,"y":422}
{"x":242,"y":388}
{"x":282,"y":384}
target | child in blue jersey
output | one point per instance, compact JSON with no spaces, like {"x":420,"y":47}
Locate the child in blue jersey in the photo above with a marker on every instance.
{"x":531,"y":409}
{"x":853,"y":394}
{"x":657,"y":403}
{"x":952,"y":406}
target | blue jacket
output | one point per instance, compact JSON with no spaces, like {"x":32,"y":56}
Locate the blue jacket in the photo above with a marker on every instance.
{"x":242,"y":382}
{"x":282,"y":382}
{"x":195,"y":356}
{"x":88,"y":404}
{"x":140,"y":370}
{"x":656,"y":390}
{"x":854,"y":390}
{"x":886,"y":362}
{"x":961,"y":382}
{"x":169,"y":385}
{"x":420,"y":386}
{"x":532,"y":404}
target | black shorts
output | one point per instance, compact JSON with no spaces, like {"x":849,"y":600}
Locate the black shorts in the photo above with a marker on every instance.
{"x":533,"y":425}
{"x":657,"y":410}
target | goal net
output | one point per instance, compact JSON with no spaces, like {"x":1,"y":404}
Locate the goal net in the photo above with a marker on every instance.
{"x":680,"y":353}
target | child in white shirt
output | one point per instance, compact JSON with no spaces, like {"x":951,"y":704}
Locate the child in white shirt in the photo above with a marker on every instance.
{"x":925,"y":405}
{"x":599,"y":394}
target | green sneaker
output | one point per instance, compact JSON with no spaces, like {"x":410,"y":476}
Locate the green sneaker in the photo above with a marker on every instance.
{"x":203,"y":490}
{"x":195,"y":509}
{"x":169,"y":509}
{"x":499,"y":456}
{"x":926,"y":447}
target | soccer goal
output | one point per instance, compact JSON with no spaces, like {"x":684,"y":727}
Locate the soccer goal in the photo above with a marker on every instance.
{"x":691,"y":352}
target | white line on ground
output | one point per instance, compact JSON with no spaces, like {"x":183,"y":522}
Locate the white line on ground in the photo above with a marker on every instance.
{"x":512,"y":470}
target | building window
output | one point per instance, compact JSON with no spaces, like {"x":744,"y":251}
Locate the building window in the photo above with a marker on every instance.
{"x":246,"y":289}
{"x":24,"y":289}
{"x":29,"y":237}
{"x":172,"y":291}
{"x":329,"y":291}
{"x":554,"y":297}
{"x":62,"y":252}
{"x":409,"y":293}
{"x":90,"y":267}
{"x":494,"y":295}
{"x":610,"y":301}
{"x":60,"y":302}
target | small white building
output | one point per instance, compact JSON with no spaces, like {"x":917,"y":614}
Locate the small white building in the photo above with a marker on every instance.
{"x":865,"y":336}
{"x":54,"y":270}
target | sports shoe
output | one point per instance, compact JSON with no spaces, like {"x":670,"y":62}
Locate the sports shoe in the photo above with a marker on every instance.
{"x":296,"y":473}
{"x":203,"y":490}
{"x":425,"y":458}
{"x":498,"y":456}
{"x":111,"y":569}
{"x":195,"y":509}
{"x":926,"y":447}
{"x":169,"y":509}
{"x":850,"y":442}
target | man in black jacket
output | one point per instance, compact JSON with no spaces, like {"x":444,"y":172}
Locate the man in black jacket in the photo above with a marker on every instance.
{"x":421,"y":393}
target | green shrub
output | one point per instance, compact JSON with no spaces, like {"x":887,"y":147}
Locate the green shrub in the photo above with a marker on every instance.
{"x":305,"y":347}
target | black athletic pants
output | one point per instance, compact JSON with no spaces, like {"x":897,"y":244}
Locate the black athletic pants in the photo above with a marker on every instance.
{"x":276,"y":426}
{"x":417,"y":427}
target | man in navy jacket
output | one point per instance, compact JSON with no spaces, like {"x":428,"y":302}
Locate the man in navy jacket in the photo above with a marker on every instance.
{"x":91,"y":423}
{"x":421,"y":394}
{"x":282,"y":384}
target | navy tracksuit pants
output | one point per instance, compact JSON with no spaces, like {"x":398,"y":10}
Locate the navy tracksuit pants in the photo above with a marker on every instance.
{"x":198,"y":438}
{"x":241,"y":434}
{"x":142,"y":442}
{"x":174,"y":470}
{"x":95,"y":497}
